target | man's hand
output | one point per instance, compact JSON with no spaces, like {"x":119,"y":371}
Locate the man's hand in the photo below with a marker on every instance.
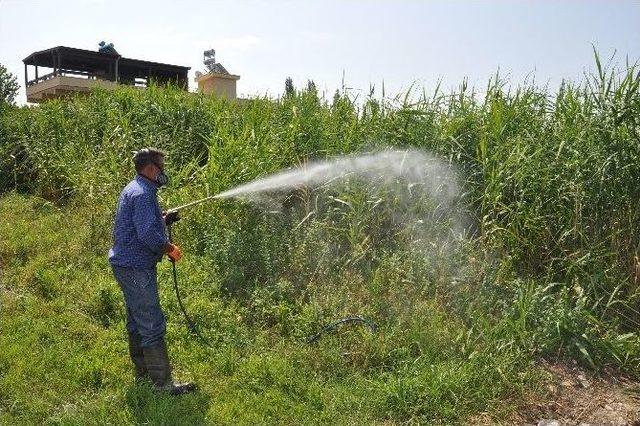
{"x":170,"y":217}
{"x":174,"y":252}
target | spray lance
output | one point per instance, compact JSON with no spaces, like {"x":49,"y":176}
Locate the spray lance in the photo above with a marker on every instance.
{"x":175,"y":210}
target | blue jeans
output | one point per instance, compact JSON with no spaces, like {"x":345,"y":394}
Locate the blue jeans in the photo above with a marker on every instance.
{"x":144,"y":314}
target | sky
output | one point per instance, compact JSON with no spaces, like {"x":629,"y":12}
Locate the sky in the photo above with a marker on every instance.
{"x":361,"y":43}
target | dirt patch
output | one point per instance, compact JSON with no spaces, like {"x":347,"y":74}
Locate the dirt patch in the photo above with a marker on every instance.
{"x":576,"y":397}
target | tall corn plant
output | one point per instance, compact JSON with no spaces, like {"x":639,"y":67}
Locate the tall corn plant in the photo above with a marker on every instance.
{"x":550,"y":179}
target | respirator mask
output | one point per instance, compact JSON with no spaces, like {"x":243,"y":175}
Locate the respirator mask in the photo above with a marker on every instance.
{"x":161,"y":178}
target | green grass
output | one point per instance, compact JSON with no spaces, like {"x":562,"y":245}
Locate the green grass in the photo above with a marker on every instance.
{"x":64,"y":354}
{"x":548,"y":191}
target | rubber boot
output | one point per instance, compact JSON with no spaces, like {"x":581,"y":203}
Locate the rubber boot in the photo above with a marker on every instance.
{"x":156,"y":359}
{"x":137,"y":356}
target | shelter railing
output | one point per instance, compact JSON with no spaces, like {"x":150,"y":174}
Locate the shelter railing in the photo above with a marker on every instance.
{"x":71,"y":73}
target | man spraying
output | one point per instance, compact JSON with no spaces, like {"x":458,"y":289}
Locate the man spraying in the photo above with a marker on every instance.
{"x":140,"y":241}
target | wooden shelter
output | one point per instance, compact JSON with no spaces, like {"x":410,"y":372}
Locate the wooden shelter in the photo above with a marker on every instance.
{"x":78,"y":70}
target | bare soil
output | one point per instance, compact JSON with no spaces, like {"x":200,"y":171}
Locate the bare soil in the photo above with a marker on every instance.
{"x":576,"y":397}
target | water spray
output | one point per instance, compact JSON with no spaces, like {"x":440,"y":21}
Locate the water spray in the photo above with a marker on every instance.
{"x":417,"y":167}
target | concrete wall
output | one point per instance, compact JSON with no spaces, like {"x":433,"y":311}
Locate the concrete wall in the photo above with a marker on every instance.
{"x":221,"y":85}
{"x":62,"y":85}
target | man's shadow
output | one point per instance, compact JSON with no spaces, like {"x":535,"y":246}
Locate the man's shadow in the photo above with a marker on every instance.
{"x":150,"y":407}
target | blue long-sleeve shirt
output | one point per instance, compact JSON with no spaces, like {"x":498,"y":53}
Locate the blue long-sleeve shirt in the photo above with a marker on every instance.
{"x":139,"y":233}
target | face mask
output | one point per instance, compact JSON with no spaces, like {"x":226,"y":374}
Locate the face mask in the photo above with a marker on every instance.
{"x":162,"y":178}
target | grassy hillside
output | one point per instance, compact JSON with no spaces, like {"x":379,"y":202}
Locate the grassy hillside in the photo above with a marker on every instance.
{"x":549,"y":196}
